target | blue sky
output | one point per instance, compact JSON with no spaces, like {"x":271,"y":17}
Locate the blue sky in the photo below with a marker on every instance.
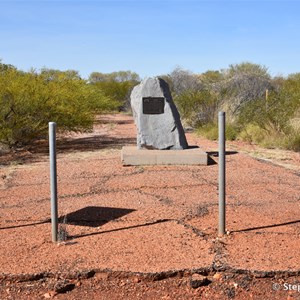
{"x":150,"y":37}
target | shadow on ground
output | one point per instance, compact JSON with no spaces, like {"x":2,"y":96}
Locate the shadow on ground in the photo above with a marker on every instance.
{"x":212,"y":154}
{"x":27,"y":225}
{"x":39,"y":149}
{"x":108,"y":121}
{"x":95,"y":216}
{"x":267,"y":226}
{"x":122,"y":228}
{"x":216,"y":153}
{"x":92,"y":143}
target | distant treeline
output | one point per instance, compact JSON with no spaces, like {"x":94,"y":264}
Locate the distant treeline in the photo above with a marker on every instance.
{"x":260,"y":109}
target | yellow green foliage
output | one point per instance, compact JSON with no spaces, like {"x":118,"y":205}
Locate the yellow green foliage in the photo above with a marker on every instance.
{"x":30,"y":100}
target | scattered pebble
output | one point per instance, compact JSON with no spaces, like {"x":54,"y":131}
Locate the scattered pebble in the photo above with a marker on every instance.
{"x":217,"y":276}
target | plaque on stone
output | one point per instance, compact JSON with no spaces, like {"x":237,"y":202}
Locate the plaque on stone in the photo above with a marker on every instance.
{"x":153,"y":105}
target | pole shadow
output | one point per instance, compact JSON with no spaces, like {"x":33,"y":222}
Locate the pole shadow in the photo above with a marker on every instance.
{"x":216,"y":153}
{"x":266,"y":226}
{"x":212,"y":154}
{"x":94,"y":216}
{"x":26,"y":225}
{"x":120,"y":229}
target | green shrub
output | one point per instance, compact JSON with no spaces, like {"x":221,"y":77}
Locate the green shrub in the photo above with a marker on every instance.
{"x":252,"y":134}
{"x":231,"y":132}
{"x":291,"y":142}
{"x":211,"y":131}
{"x":116,"y":85}
{"x":196,"y":107}
{"x":29,"y":101}
{"x":270,"y":139}
{"x":117,"y":91}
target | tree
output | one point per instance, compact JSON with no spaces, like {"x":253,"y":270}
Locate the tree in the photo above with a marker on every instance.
{"x":183,"y":81}
{"x":212,"y":80}
{"x":52,"y":74}
{"x":194,"y":95}
{"x":197,"y":107}
{"x":274,"y":113}
{"x":5,"y":67}
{"x":116,"y":85}
{"x":243,"y":83}
{"x":120,"y":76}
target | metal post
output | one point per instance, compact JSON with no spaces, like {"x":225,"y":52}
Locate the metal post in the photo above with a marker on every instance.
{"x":53,"y":180}
{"x":222,"y":204}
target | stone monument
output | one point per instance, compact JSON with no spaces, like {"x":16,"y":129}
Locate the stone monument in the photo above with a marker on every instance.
{"x":156,"y":116}
{"x":160,"y":136}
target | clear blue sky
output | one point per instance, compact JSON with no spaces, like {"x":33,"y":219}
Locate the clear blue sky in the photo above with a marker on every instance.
{"x":150,"y":37}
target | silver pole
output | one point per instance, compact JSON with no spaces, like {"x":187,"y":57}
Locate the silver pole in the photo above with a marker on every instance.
{"x":222,"y":204}
{"x":53,"y":180}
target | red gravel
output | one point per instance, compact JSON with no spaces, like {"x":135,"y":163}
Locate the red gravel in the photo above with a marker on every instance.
{"x":148,"y":219}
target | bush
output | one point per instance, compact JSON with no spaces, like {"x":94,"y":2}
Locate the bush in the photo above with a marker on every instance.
{"x":116,"y":86}
{"x":252,"y":134}
{"x":30,"y":100}
{"x":272,"y":121}
{"x":197,"y":107}
{"x":231,"y":132}
{"x":270,"y":139}
{"x":291,"y":142}
{"x":211,"y":131}
{"x":259,"y":109}
{"x":117,"y":91}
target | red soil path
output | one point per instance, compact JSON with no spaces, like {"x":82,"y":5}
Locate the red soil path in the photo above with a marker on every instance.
{"x":127,"y":227}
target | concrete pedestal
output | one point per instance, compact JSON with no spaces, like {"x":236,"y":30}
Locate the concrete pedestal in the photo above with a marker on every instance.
{"x":131,"y":156}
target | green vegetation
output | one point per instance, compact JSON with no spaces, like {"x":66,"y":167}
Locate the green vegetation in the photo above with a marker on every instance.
{"x":29,"y":100}
{"x":116,"y":85}
{"x":259,"y":109}
{"x":211,"y":131}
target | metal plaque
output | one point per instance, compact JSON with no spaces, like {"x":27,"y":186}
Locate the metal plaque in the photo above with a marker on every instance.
{"x":153,"y":105}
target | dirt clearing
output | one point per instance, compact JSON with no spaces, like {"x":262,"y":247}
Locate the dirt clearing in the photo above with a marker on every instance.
{"x":143,"y":232}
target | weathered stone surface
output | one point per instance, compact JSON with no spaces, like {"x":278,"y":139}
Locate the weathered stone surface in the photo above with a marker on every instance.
{"x":157,"y":130}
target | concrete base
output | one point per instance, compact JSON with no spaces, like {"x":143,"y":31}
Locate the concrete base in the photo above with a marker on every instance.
{"x":131,"y":156}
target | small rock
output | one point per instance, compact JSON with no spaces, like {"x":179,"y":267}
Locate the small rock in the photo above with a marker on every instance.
{"x":78,"y":283}
{"x":47,"y":296}
{"x":217,"y":276}
{"x":50,"y":295}
{"x":122,"y":283}
{"x":136,"y":280}
{"x":198,"y":280}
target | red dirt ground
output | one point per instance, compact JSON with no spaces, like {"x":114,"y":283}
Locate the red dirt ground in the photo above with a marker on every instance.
{"x":146,"y":232}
